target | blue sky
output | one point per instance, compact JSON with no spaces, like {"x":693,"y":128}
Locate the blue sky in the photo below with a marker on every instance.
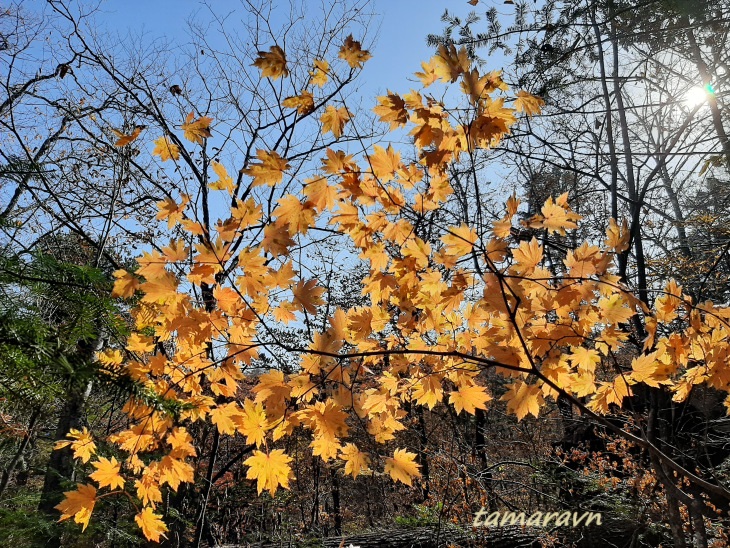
{"x":397,"y":54}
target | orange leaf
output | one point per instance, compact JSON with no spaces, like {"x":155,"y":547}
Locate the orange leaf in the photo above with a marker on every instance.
{"x":151,"y":524}
{"x":165,"y":149}
{"x":352,"y":52}
{"x":107,"y":473}
{"x":78,"y":504}
{"x":123,"y":139}
{"x":270,"y":471}
{"x":272,"y":63}
{"x":125,"y":284}
{"x":269,"y":171}
{"x":197,"y":130}
{"x":523,"y":398}
{"x":334,"y":120}
{"x":307,"y":295}
{"x":402,"y":467}
{"x":356,"y":462}
{"x":304,"y":103}
{"x":469,"y":399}
{"x":527,"y":103}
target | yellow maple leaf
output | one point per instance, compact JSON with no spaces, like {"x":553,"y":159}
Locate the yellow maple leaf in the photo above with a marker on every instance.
{"x":224,"y":182}
{"x":307,"y":295}
{"x":617,"y":238}
{"x":197,"y":130}
{"x":172,"y":211}
{"x":352,"y":52}
{"x":469,"y":398}
{"x":107,"y":473}
{"x":320,"y":72}
{"x":527,"y":103}
{"x":334,"y":120}
{"x":270,"y":169}
{"x":523,"y":398}
{"x":614,"y":310}
{"x":321,"y":193}
{"x":277,"y":239}
{"x":225,"y":417}
{"x":384,"y":162}
{"x":269,"y":470}
{"x":78,"y":504}
{"x":528,"y":256}
{"x":297,"y":216}
{"x":252,"y":422}
{"x":83,"y":445}
{"x":148,"y":490}
{"x":125,"y":285}
{"x":647,"y":369}
{"x":392,"y":109}
{"x":165,"y":149}
{"x":304,"y":103}
{"x":151,"y":524}
{"x":356,"y":462}
{"x":449,"y":64}
{"x":402,"y":466}
{"x":272,"y":63}
{"x":556,"y":216}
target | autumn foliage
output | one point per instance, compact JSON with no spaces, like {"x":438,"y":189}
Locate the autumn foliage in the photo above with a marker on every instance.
{"x":444,"y":313}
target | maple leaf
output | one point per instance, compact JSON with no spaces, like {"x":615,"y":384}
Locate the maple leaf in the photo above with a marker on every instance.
{"x":224,"y":182}
{"x":617,"y":238}
{"x":523,"y":398}
{"x":78,"y":504}
{"x":252,"y":422}
{"x":83,"y":445}
{"x":384,"y":162}
{"x":556,"y":216}
{"x":270,"y":169}
{"x":392,"y":109}
{"x":277,"y":239}
{"x":171,"y":210}
{"x":197,"y":130}
{"x":334,"y":120}
{"x":322,"y":194}
{"x":614,"y":310}
{"x":124,"y":140}
{"x":449,"y":64}
{"x":107,"y":473}
{"x":181,"y":443}
{"x":148,"y":490}
{"x":269,"y":470}
{"x":304,"y":103}
{"x":224,"y":416}
{"x":352,"y":52}
{"x":528,"y":256}
{"x":165,"y":149}
{"x":151,"y":524}
{"x":307,"y":295}
{"x":320,"y":73}
{"x":272,"y":63}
{"x":125,"y":285}
{"x":297,"y":216}
{"x":356,"y":462}
{"x":469,"y":399}
{"x":646,"y":369}
{"x":402,"y":466}
{"x":527,"y":103}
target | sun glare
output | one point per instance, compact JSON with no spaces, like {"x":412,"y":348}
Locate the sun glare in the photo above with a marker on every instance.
{"x":698,"y":95}
{"x":695,"y":96}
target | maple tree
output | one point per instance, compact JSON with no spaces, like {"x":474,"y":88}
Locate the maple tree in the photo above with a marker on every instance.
{"x":446,"y":307}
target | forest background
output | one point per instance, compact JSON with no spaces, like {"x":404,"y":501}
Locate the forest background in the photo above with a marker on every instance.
{"x":246,"y":301}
